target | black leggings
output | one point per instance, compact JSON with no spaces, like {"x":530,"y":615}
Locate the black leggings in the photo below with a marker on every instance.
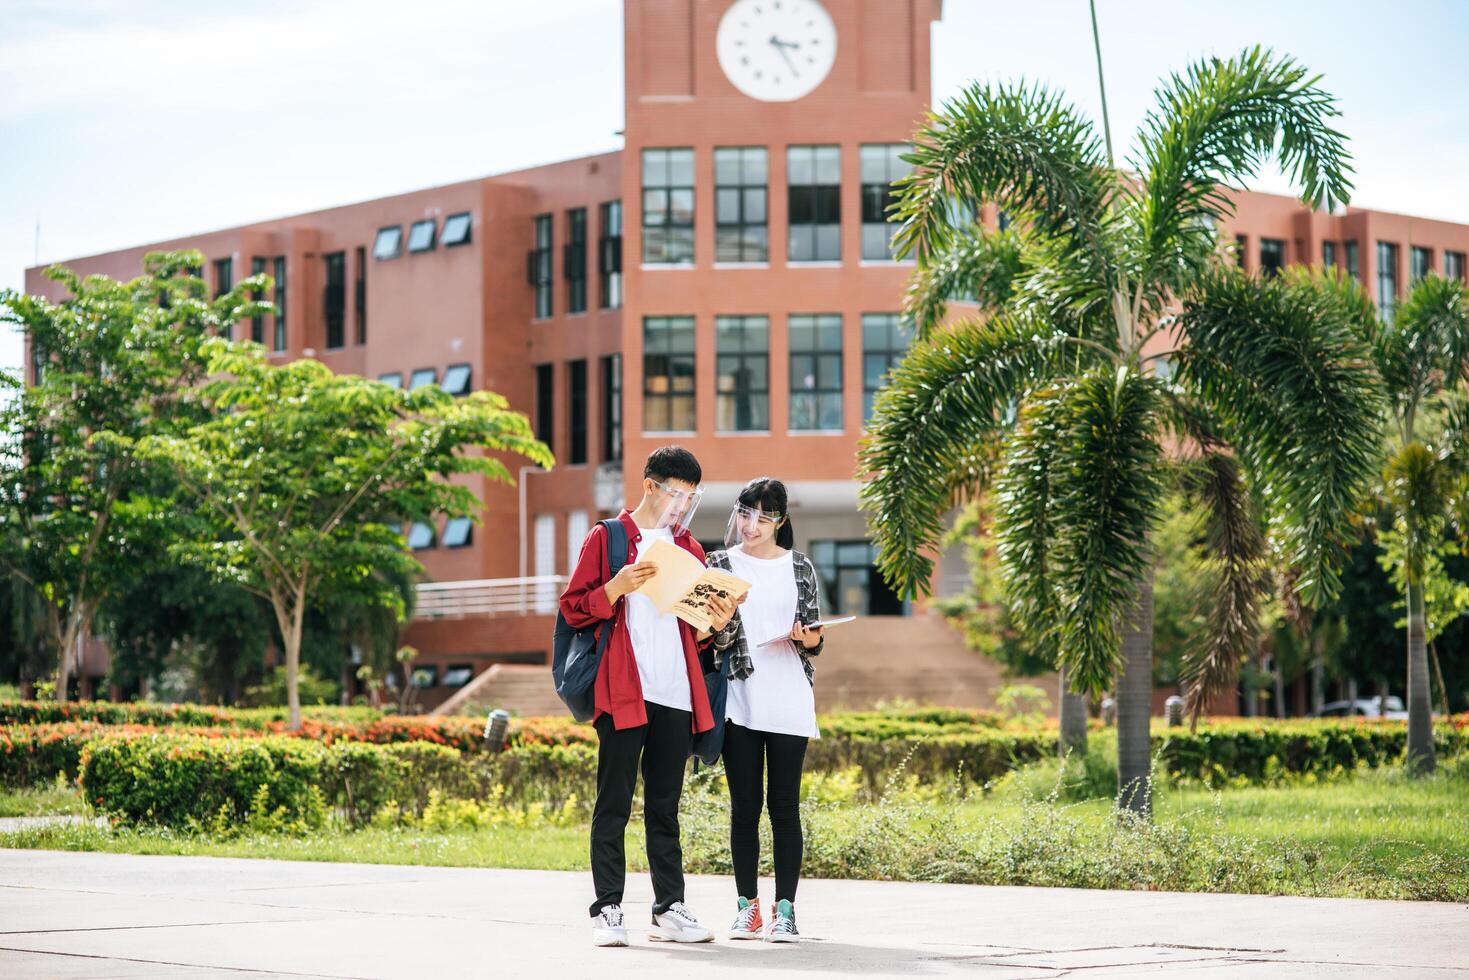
{"x":747,"y":756}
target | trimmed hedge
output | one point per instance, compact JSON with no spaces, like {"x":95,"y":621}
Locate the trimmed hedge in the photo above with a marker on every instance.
{"x":975,"y":756}
{"x":170,"y":715}
{"x":1258,"y":750}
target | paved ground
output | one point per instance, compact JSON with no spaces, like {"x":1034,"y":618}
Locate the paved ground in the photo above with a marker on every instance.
{"x":99,"y":915}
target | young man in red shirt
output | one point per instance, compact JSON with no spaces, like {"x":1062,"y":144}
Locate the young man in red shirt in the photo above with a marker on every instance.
{"x":650,"y":699}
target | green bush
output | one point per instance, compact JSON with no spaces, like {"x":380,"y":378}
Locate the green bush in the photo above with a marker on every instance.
{"x":976,"y":756}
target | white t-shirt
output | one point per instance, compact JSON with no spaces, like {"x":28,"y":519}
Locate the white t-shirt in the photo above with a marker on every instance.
{"x":776,"y":697}
{"x":656,"y":643}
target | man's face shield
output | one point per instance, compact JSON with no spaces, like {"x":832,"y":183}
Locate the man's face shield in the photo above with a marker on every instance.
{"x":748,"y":525}
{"x":676,"y":505}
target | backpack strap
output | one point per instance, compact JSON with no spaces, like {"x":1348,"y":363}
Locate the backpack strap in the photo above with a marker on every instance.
{"x":616,"y":545}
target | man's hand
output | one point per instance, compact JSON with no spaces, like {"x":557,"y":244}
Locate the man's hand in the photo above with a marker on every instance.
{"x":630,"y":579}
{"x":721,"y":611}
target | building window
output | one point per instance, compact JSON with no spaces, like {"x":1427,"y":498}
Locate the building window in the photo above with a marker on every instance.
{"x":280,"y":303}
{"x":421,"y":236}
{"x":546,"y":403}
{"x":612,"y":407}
{"x":609,"y":254}
{"x":577,"y":524}
{"x":814,"y":198}
{"x":334,"y":299}
{"x":394,"y":378}
{"x":1328,"y":255}
{"x":360,"y":288}
{"x":420,"y":536}
{"x":850,"y":585}
{"x":457,"y":675}
{"x":457,"y":228}
{"x":668,"y":374}
{"x":576,"y":382}
{"x":1241,"y":250}
{"x":1453,"y":265}
{"x":224,"y":276}
{"x":1272,"y":256}
{"x":1420,"y":262}
{"x":668,"y":206}
{"x":575,"y":260}
{"x":257,"y":322}
{"x":389,"y":243}
{"x":1349,"y":250}
{"x":816,"y":372}
{"x":422,"y":377}
{"x":456,"y":379}
{"x":742,"y":373}
{"x":740,"y":230}
{"x":458,"y":532}
{"x":1387,"y":279}
{"x":882,"y":164}
{"x":886,"y":338}
{"x":539,"y":266}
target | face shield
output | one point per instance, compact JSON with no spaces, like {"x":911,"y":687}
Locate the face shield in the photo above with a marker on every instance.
{"x":749,"y":524}
{"x":676,"y":507}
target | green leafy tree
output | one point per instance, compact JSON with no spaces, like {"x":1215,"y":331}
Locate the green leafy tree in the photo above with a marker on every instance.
{"x":1422,"y":353}
{"x":1125,"y":352}
{"x":117,"y":360}
{"x":308,"y":475}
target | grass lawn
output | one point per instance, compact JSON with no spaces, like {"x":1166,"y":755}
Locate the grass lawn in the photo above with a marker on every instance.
{"x":1377,"y":834}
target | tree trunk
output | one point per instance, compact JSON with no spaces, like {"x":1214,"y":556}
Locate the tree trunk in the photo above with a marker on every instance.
{"x":1073,"y":718}
{"x":1135,"y":705}
{"x":1420,"y":704}
{"x":1443,"y":690}
{"x":289,"y":621}
{"x":66,"y":643}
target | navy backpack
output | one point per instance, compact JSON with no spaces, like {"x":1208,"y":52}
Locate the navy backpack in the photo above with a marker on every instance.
{"x":576,"y":654}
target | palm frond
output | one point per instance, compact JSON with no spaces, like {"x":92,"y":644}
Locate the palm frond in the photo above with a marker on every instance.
{"x":976,"y":265}
{"x":1023,"y":525}
{"x":925,"y":445}
{"x":1106,"y":490}
{"x":1017,"y":145}
{"x":1236,"y":547}
{"x":1283,"y":364}
{"x":1211,"y":129}
{"x":1426,"y":346}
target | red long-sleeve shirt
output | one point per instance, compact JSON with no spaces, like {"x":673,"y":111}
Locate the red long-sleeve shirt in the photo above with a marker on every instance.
{"x":619,"y":691}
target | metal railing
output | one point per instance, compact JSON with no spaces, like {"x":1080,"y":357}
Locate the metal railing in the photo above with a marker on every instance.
{"x":536,"y":595}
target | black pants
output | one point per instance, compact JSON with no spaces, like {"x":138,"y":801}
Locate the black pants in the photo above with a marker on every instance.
{"x":748,"y":755}
{"x":662,"y":747}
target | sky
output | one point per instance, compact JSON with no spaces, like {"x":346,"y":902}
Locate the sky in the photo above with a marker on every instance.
{"x":130,"y":121}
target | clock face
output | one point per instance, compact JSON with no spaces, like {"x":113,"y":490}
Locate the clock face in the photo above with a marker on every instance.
{"x":776,"y":50}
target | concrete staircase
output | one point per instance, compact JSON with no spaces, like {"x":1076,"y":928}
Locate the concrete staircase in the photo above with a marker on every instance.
{"x":917,"y":658}
{"x":522,"y":689}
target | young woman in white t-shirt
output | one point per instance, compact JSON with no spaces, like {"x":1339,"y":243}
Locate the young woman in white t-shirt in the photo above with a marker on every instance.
{"x":771,"y":711}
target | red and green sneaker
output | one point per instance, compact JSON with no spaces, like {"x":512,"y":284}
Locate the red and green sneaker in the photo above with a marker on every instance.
{"x":783,"y":927}
{"x":747,"y":923}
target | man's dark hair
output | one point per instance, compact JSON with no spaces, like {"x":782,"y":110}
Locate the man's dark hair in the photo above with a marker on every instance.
{"x":673,"y":463}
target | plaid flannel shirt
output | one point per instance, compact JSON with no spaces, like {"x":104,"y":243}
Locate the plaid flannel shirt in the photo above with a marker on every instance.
{"x":731,"y":641}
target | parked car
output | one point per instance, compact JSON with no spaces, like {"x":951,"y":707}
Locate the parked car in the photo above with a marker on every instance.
{"x":1390,"y":707}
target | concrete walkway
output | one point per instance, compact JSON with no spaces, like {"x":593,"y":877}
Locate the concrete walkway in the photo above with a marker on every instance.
{"x":104,"y":915}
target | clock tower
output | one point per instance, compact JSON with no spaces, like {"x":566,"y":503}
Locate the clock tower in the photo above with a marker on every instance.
{"x":811,"y":97}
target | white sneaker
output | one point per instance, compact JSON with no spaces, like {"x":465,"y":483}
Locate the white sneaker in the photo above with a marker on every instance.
{"x":678,"y":925}
{"x":607,"y":927}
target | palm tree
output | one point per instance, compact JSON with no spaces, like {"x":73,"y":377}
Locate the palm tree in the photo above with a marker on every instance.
{"x":1115,"y":350}
{"x":1422,"y":353}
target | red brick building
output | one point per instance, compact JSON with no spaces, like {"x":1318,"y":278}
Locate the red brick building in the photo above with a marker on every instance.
{"x":723,"y":282}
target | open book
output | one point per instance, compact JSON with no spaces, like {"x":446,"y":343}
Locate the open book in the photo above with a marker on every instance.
{"x":683,"y":585}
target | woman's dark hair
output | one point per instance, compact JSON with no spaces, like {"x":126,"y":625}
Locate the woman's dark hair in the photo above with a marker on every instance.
{"x":769,"y":494}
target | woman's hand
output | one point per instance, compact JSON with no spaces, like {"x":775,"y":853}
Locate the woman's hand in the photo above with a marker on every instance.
{"x":808,"y":638}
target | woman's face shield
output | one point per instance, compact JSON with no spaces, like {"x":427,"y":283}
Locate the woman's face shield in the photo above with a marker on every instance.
{"x":749,"y":525}
{"x":676,"y":505}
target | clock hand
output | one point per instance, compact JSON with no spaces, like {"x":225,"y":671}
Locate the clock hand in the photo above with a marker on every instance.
{"x":781,"y":47}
